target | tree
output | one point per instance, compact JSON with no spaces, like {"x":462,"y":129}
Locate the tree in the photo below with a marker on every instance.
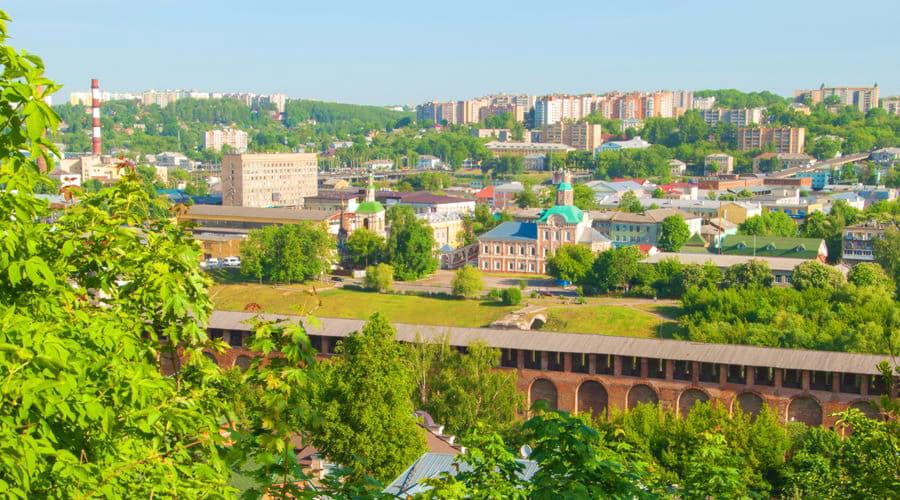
{"x":511,"y":296}
{"x":364,"y":246}
{"x":467,"y":282}
{"x":630,"y":203}
{"x":570,"y":263}
{"x":464,"y":391}
{"x":887,"y":253}
{"x":825,"y":149}
{"x":815,"y":275}
{"x":755,"y":273}
{"x":289,"y":253}
{"x":379,"y":438}
{"x":85,"y":303}
{"x":769,"y":224}
{"x":526,"y":198}
{"x":869,"y":274}
{"x":673,"y":233}
{"x":379,"y":277}
{"x":410,"y":245}
{"x":613,"y":269}
{"x":584,"y":197}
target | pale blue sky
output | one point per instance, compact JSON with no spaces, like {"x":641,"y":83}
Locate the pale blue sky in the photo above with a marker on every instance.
{"x":381,"y":52}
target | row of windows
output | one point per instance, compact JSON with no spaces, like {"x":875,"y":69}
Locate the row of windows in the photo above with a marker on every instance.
{"x":850,"y":383}
{"x":513,"y":250}
{"x":630,"y":227}
{"x":557,"y":235}
{"x":511,"y":266}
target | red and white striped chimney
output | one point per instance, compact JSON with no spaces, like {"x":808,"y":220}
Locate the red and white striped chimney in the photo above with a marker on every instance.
{"x":96,"y":148}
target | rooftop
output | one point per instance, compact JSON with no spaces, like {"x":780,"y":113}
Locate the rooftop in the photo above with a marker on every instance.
{"x":226,"y":212}
{"x":511,"y":231}
{"x":770,"y":246}
{"x":571,"y":213}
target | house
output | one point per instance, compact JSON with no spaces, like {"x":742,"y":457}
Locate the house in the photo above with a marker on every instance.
{"x":854,"y":200}
{"x":635,"y":143}
{"x":772,"y":246}
{"x":819,"y":178}
{"x":523,"y":247}
{"x":783,"y":160}
{"x":734,"y":211}
{"x":782,"y":268}
{"x":485,"y":196}
{"x":426,"y":202}
{"x":677,"y":167}
{"x":535,"y":161}
{"x":718,"y":163}
{"x":505,"y":194}
{"x":885,"y":156}
{"x":716,"y":230}
{"x":378,"y":165}
{"x":612,"y":187}
{"x":858,"y":241}
{"x":624,"y":228}
{"x":878,"y":194}
{"x":680,"y":191}
{"x":428,"y":162}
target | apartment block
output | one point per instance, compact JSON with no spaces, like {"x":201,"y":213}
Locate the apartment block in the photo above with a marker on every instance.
{"x":783,"y":139}
{"x":891,"y":105}
{"x":719,"y":163}
{"x":269,"y":179}
{"x":234,"y":138}
{"x":743,"y":117}
{"x":863,"y":98}
{"x":581,"y":135}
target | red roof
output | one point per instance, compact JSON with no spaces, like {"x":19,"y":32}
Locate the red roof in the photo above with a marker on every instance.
{"x":636,"y":180}
{"x":485,"y":193}
{"x":646,"y":248}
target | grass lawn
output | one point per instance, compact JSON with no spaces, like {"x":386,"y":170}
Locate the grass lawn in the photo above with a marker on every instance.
{"x":340,"y":303}
{"x":605,"y":320}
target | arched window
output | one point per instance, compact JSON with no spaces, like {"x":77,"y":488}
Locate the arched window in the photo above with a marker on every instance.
{"x":641,"y":394}
{"x":592,"y":398}
{"x":688,"y":399}
{"x":543,"y":389}
{"x":806,"y":410}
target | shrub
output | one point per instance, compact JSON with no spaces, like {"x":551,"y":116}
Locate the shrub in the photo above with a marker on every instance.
{"x":511,"y":296}
{"x":379,"y":278}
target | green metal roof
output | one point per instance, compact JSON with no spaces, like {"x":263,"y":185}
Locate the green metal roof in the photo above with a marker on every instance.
{"x":564,"y":186}
{"x":770,"y":246}
{"x":571,"y":213}
{"x":369,"y":207}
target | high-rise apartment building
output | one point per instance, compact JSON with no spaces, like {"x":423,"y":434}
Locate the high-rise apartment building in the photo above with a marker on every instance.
{"x":269,"y":179}
{"x":783,"y":139}
{"x":891,"y":105}
{"x":703,"y":103}
{"x":863,"y":98}
{"x":234,"y":138}
{"x":580,"y":135}
{"x":551,"y":109}
{"x":743,"y":117}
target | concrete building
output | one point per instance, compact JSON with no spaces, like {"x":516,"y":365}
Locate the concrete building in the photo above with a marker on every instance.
{"x":446,"y":227}
{"x":891,"y":105}
{"x":234,"y":138}
{"x":863,"y":98}
{"x":857,"y":243}
{"x":677,"y":168}
{"x":784,"y":160}
{"x":526,"y":148}
{"x":504,"y":195}
{"x":783,"y":139}
{"x":633,"y":143}
{"x":885,"y":156}
{"x":425,"y":202}
{"x":797,"y":211}
{"x":428,"y":162}
{"x":743,"y":117}
{"x":535,"y":161}
{"x":703,"y":103}
{"x":269,"y":179}
{"x":579,"y":135}
{"x":718,"y":163}
{"x":624,"y":228}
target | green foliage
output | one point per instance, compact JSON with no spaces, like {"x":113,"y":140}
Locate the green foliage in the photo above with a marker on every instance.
{"x":753,"y":274}
{"x":379,"y":278}
{"x":584,"y":197}
{"x":364,"y":246}
{"x":769,"y":224}
{"x":570,"y":263}
{"x":527,"y":198}
{"x":614,"y":269}
{"x":464,"y":391}
{"x":732,"y":98}
{"x":430,"y":181}
{"x":869,"y":274}
{"x":289,"y":253}
{"x":673,"y":233}
{"x":503,"y":166}
{"x":410,"y":245}
{"x":887,"y":253}
{"x":815,"y":275}
{"x":379,"y":438}
{"x":511,"y":296}
{"x":467,"y":282}
{"x":630,"y":203}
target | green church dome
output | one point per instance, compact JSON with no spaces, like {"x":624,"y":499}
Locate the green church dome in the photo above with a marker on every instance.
{"x":370,"y":207}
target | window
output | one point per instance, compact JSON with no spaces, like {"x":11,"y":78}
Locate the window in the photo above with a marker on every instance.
{"x":531,"y":267}
{"x":682,"y":370}
{"x":631,"y":366}
{"x":555,"y":361}
{"x":763,"y":375}
{"x":736,"y":374}
{"x":604,"y":364}
{"x":851,"y":383}
{"x":546,"y":234}
{"x":792,"y":379}
{"x":509,"y":358}
{"x":498,"y":248}
{"x":581,"y":362}
{"x":821,"y":381}
{"x":497,"y":265}
{"x":236,"y":339}
{"x":709,"y":372}
{"x":533,"y":360}
{"x":656,"y":368}
{"x":512,"y":267}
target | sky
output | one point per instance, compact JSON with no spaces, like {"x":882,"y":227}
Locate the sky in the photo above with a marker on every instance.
{"x":405,"y":52}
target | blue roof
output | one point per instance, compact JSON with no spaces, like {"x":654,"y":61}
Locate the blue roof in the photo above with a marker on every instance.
{"x":520,"y":231}
{"x":431,"y":465}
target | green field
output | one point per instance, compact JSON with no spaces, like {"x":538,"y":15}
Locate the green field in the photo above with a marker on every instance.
{"x":605,"y":320}
{"x":340,"y":303}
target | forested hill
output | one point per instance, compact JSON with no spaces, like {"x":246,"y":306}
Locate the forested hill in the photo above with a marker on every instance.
{"x":180,"y":126}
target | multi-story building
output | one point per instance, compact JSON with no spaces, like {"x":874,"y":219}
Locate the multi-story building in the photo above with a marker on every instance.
{"x":551,"y":109}
{"x":624,"y":228}
{"x":783,"y":160}
{"x":783,"y":139}
{"x":719,"y":163}
{"x":269,"y":179}
{"x":858,"y":241}
{"x":234,"y":138}
{"x":526,"y":148}
{"x":863,"y":98}
{"x":742,"y":117}
{"x":580,"y":135}
{"x":703,"y":103}
{"x":523,"y":247}
{"x":891,"y":104}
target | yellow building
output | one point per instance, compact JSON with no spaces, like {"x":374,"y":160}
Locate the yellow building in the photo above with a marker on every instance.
{"x":738,"y":212}
{"x":447,"y":228}
{"x":269,"y":179}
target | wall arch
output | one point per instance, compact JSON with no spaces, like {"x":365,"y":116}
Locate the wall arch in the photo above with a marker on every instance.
{"x":805,"y":409}
{"x":210,"y":357}
{"x":169,"y":362}
{"x":592,"y":398}
{"x":641,"y":394}
{"x":868,"y":409}
{"x":749,"y":403}
{"x":544,"y":389}
{"x":688,"y":398}
{"x":242,"y":362}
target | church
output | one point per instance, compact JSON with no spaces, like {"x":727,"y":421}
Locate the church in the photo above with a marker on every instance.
{"x":523,"y":247}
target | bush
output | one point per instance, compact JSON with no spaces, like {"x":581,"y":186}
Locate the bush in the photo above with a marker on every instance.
{"x":379,"y":278}
{"x":467,"y":282}
{"x":523,"y":284}
{"x":511,"y":296}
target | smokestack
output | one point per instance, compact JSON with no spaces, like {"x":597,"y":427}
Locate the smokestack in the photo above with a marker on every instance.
{"x":96,"y":148}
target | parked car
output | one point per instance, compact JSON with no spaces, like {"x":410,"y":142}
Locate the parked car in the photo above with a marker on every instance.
{"x":232,"y":262}
{"x":212,"y":262}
